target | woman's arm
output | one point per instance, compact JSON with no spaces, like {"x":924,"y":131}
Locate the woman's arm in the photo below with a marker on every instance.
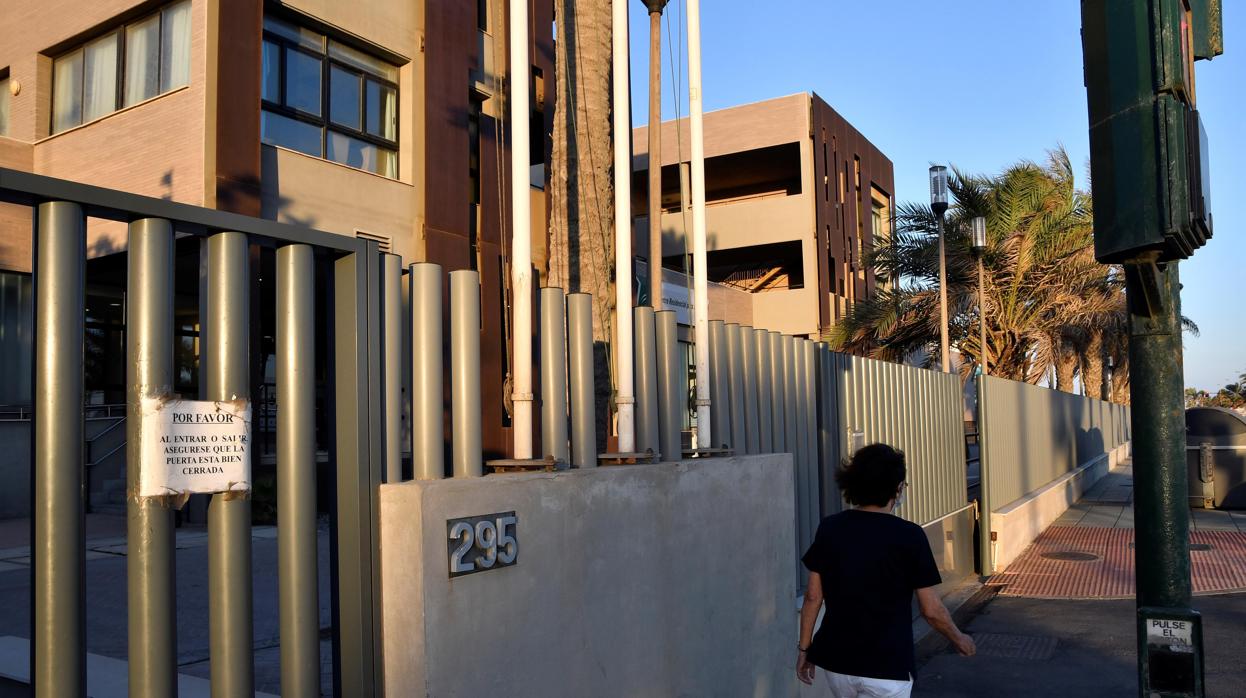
{"x":936,"y":615}
{"x":808,"y":617}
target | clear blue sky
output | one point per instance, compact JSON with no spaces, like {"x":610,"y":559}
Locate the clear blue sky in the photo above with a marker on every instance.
{"x":980,"y":84}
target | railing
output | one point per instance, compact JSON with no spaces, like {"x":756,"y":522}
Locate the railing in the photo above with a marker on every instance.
{"x":782,"y":394}
{"x":16,"y":413}
{"x":351,"y":267}
{"x":1034,"y":435}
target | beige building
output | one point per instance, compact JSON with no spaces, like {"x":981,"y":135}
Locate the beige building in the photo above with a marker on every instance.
{"x":795,"y":197}
{"x":371,"y":118}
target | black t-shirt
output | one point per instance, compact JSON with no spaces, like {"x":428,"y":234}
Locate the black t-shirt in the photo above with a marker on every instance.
{"x":870,"y":563}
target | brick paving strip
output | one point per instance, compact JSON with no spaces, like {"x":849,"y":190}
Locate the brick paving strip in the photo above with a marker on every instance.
{"x":1219,"y":568}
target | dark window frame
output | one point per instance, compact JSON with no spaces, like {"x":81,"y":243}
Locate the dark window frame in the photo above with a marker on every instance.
{"x":325,"y":122}
{"x":119,"y":97}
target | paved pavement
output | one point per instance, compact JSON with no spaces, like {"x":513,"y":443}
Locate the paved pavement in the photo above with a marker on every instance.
{"x":1073,"y":648}
{"x":106,"y":598}
{"x":1051,"y":627}
{"x":1088,"y":552}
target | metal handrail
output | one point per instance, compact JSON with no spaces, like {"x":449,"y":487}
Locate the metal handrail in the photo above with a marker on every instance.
{"x":17,"y":413}
{"x":23,"y":413}
{"x":99,"y":460}
{"x":114,"y":425}
{"x":104,"y":411}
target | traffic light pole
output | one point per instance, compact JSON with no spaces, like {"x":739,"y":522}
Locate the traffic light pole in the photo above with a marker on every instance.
{"x":1162,"y":516}
{"x":1161,"y":503}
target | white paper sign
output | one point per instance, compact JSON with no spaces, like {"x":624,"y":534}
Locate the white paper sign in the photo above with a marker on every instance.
{"x":1166,"y":631}
{"x":195,"y":446}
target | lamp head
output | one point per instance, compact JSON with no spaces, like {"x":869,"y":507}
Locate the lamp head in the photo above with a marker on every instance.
{"x":979,"y":233}
{"x":938,"y":189}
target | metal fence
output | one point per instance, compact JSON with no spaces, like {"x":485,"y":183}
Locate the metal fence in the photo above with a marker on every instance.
{"x":781,"y":394}
{"x":916,"y":410}
{"x":1033,"y":435}
{"x":770,"y":394}
{"x":304,"y":258}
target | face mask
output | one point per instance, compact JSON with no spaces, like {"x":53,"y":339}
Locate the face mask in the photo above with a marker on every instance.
{"x":899,"y":501}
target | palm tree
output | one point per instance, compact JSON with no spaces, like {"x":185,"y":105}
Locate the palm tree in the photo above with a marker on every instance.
{"x":581,"y":234}
{"x":1045,"y":295}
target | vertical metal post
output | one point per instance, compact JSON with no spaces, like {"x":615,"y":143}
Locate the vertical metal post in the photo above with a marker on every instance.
{"x":655,"y":160}
{"x":747,"y":368}
{"x":646,"y":382}
{"x":810,"y":429}
{"x":360,"y":460}
{"x":518,"y":86}
{"x":943,"y":329}
{"x":580,"y":364}
{"x":985,"y":358}
{"x":465,"y":373}
{"x":720,"y":413}
{"x":299,"y":601}
{"x":58,"y":546}
{"x":778,"y":383}
{"x":986,"y":559}
{"x":621,"y":113}
{"x":391,"y":305}
{"x":151,"y":599}
{"x":765,"y":399}
{"x":795,"y":359}
{"x":1161,"y":487}
{"x":427,"y":413}
{"x":554,"y":375}
{"x":669,"y":379}
{"x":700,"y":268}
{"x":735,"y":389}
{"x":828,"y":453}
{"x":229,"y":515}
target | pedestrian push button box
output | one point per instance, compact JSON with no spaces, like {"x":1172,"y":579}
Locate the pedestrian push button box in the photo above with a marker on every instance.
{"x":1171,"y":652}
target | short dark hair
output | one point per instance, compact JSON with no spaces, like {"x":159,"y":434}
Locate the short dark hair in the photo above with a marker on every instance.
{"x":872,"y":476}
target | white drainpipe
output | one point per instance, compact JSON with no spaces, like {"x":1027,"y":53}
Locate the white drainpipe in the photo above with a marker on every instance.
{"x":521,"y":232}
{"x":625,"y":398}
{"x":700,"y":298}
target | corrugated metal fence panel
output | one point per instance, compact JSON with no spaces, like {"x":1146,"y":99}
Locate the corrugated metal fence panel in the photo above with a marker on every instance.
{"x":1032,"y":435}
{"x":915,"y":410}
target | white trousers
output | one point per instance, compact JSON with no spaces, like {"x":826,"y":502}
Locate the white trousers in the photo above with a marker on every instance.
{"x":835,"y":685}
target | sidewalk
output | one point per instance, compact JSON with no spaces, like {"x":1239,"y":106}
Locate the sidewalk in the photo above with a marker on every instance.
{"x":1060,"y":620}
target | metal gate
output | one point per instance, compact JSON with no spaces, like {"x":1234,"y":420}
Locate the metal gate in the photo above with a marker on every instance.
{"x":352,"y":267}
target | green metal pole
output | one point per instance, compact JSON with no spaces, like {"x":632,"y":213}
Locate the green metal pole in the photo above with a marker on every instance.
{"x":986,"y":557}
{"x":1161,"y":506}
{"x":229,"y":515}
{"x":296,"y":471}
{"x":152,"y":605}
{"x":58,"y":545}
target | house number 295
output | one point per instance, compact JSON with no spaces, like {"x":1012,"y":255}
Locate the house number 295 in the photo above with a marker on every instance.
{"x":480,"y":543}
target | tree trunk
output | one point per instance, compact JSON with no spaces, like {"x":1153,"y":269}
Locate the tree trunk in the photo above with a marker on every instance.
{"x":581,"y":254}
{"x":1092,"y":366}
{"x":1066,"y":364}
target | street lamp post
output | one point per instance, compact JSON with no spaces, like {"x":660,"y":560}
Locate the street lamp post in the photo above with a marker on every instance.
{"x":938,"y":204}
{"x":979,"y":249}
{"x":1107,"y":380}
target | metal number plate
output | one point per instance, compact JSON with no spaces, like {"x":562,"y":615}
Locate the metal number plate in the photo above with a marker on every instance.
{"x":482,"y":543}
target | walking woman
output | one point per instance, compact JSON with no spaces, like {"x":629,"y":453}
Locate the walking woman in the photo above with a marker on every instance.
{"x":866,"y":564}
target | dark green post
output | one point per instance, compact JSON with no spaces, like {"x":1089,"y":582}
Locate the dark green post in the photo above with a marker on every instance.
{"x":1162,"y":520}
{"x":1149,"y":176}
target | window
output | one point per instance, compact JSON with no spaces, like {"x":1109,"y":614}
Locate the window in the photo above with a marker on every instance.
{"x":4,"y":102}
{"x":143,"y":59}
{"x":326,"y":99}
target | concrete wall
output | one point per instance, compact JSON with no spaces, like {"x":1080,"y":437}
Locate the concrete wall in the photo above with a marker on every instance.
{"x":650,"y":580}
